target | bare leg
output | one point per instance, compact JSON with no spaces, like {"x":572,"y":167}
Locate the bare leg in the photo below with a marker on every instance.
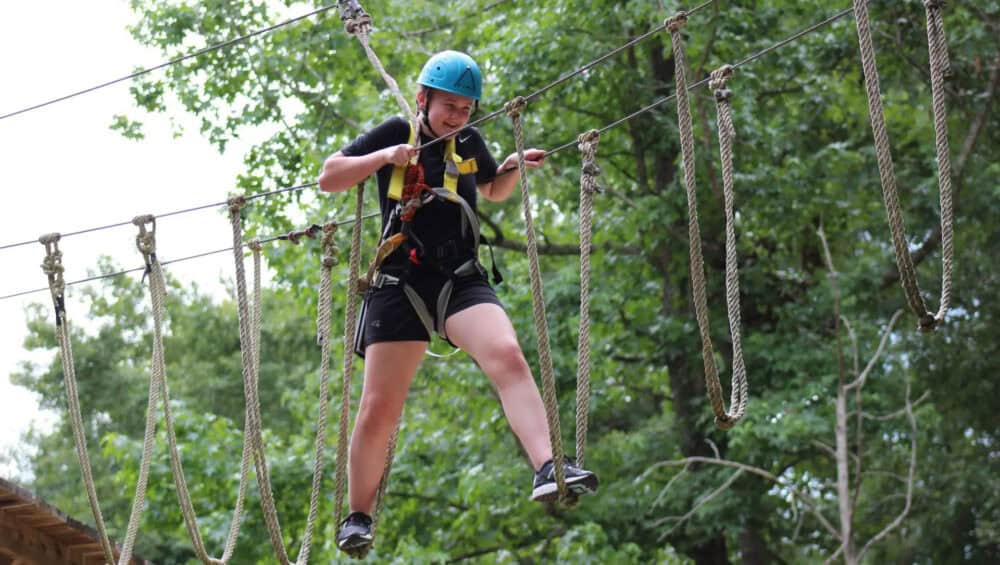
{"x":389,"y":369}
{"x":484,"y":331}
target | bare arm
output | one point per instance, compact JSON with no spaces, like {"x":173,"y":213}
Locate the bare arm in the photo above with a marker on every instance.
{"x":341,"y":172}
{"x":501,"y":187}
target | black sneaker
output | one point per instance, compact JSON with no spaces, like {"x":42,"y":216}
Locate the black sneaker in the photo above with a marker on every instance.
{"x":578,"y":481}
{"x":355,"y":533}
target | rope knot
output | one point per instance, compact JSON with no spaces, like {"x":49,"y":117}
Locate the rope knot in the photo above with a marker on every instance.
{"x":236,"y":204}
{"x":330,"y":245}
{"x":255,"y":245}
{"x":52,"y":264}
{"x":589,"y":137}
{"x":145,"y":241}
{"x":676,"y":21}
{"x":354,"y":17}
{"x":719,"y":77}
{"x":359,"y":25}
{"x":515,"y":106}
{"x":935,"y":4}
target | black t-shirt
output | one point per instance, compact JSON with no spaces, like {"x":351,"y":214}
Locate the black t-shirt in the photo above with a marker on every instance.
{"x":436,"y":222}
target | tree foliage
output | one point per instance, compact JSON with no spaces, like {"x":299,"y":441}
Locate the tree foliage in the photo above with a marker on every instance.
{"x":804,"y":160}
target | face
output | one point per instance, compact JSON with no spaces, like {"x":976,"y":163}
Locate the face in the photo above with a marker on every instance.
{"x":447,"y":112}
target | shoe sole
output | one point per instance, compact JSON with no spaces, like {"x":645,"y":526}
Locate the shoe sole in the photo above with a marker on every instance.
{"x":550,"y":492}
{"x":354,"y":543}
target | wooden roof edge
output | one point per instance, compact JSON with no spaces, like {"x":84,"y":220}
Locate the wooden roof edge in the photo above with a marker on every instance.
{"x":27,"y":496}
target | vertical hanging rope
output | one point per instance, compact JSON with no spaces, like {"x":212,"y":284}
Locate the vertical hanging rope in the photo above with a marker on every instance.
{"x":723,"y":419}
{"x":883,"y":152}
{"x":350,"y":327}
{"x":53,"y":268}
{"x":738,"y":392}
{"x":358,"y":23}
{"x":146,"y":243}
{"x":250,"y":323}
{"x":587,"y":142}
{"x":514,"y":109}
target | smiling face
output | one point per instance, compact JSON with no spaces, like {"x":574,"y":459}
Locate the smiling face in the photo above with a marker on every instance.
{"x":447,"y":112}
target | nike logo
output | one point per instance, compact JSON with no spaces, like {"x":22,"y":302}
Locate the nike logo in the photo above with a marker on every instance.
{"x":464,"y":139}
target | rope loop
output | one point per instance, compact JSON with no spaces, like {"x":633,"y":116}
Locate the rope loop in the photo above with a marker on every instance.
{"x":719,"y":77}
{"x":236,"y":203}
{"x":145,"y":241}
{"x":676,"y":21}
{"x":935,"y":4}
{"x":515,"y":106}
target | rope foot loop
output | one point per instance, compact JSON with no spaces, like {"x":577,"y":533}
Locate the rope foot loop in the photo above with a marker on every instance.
{"x":515,"y":106}
{"x":676,"y":21}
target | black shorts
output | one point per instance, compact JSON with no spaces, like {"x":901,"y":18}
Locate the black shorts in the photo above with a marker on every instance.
{"x":388,"y":315}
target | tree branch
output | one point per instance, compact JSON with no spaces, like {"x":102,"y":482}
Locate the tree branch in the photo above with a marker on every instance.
{"x":908,"y":407}
{"x":806,"y":499}
{"x":705,"y":500}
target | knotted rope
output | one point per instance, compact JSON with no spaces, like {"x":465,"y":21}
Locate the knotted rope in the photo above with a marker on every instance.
{"x":53,"y":268}
{"x":723,"y":419}
{"x":146,"y":244}
{"x":589,"y":171}
{"x":939,"y":68}
{"x":514,"y":109}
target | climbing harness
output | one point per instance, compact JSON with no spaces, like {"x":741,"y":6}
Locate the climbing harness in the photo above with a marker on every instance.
{"x":738,"y":400}
{"x":410,"y":192}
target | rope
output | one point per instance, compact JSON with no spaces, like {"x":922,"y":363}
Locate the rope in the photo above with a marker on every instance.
{"x":146,"y":243}
{"x":514,"y":109}
{"x":53,"y":268}
{"x":250,"y":324}
{"x":723,"y":419}
{"x":588,"y":185}
{"x":350,"y":327}
{"x":883,"y":152}
{"x":738,"y":387}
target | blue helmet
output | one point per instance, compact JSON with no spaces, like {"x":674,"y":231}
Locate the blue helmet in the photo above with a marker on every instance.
{"x":454,"y":72}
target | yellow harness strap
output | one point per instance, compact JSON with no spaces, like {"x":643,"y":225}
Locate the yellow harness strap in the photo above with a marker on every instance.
{"x":453,"y":167}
